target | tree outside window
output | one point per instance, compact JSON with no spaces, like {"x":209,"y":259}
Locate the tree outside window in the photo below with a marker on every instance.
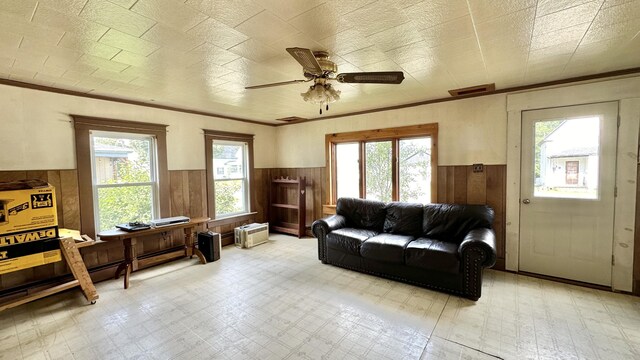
{"x":395,"y":164}
{"x":231,"y":184}
{"x":125,"y":178}
{"x":229,"y":173}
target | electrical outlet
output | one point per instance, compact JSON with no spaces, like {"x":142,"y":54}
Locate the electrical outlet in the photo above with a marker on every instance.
{"x":477,"y":168}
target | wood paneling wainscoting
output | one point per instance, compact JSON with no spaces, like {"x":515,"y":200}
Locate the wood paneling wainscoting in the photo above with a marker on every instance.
{"x":188,"y":197}
{"x":315,"y":192}
{"x":460,"y":185}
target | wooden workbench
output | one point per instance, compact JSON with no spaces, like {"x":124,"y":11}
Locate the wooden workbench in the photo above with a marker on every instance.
{"x":129,"y":240}
{"x":70,"y":242}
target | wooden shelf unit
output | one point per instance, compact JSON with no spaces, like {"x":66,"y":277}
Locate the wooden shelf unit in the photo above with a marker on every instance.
{"x":287,"y":196}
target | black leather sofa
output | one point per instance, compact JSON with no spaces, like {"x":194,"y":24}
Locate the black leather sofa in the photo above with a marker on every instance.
{"x":439,"y":246}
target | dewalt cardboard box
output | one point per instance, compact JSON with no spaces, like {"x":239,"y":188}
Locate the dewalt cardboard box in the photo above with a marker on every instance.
{"x":30,"y":254}
{"x":27,"y":212}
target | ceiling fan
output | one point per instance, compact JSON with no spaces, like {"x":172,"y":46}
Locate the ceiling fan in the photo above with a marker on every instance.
{"x":318,"y":68}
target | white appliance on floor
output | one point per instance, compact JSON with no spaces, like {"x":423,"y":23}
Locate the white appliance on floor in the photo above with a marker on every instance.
{"x":248,"y":236}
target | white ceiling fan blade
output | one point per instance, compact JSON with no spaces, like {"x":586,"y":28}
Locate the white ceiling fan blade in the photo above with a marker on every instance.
{"x":306,"y":58}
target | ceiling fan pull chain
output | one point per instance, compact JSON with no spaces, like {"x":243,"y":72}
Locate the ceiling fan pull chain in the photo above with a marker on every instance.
{"x":327,"y":107}
{"x":321,"y":111}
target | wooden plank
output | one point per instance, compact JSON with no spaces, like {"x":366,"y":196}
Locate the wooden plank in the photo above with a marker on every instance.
{"x":460,"y":185}
{"x":90,"y":258}
{"x":37,"y":174}
{"x":43,"y":271}
{"x":78,"y":268}
{"x":442,"y":185}
{"x":53,"y":177}
{"x":158,"y":259}
{"x":204,"y":212}
{"x":261,"y":190}
{"x":186,"y":205}
{"x":195,"y":194}
{"x":476,"y":187}
{"x":382,"y":134}
{"x":70,"y":200}
{"x":450,"y":198}
{"x":12,"y":175}
{"x":175,"y":184}
{"x":318,"y":180}
{"x":40,"y":295}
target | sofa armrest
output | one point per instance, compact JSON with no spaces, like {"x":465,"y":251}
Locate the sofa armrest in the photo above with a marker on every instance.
{"x":482,"y":240}
{"x":322,"y":227}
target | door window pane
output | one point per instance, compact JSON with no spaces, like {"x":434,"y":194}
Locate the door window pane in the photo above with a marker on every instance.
{"x":415,"y":170}
{"x":378,"y":170}
{"x":348,"y":170}
{"x":230,"y":178}
{"x":567,"y":158}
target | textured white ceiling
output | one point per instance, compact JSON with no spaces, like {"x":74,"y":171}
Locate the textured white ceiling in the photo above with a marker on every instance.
{"x":200,"y":54}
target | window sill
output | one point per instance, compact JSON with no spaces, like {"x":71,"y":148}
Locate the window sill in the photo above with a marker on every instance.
{"x":232,"y":219}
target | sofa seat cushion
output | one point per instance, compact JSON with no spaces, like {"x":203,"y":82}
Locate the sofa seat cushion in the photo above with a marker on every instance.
{"x":349,"y":240}
{"x":433,"y":254}
{"x":386,"y":247}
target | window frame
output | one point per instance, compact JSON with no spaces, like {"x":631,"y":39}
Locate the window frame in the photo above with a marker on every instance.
{"x":153,"y":164}
{"x":209,"y":137}
{"x":387,"y":134}
{"x":83,"y":126}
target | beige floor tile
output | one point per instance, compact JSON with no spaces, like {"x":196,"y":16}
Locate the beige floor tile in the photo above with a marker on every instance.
{"x":277,"y":301}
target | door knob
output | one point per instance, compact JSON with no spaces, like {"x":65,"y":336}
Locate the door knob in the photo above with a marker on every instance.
{"x":526,"y":201}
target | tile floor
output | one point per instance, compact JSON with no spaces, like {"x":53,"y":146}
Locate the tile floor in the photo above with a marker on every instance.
{"x":277,"y":301}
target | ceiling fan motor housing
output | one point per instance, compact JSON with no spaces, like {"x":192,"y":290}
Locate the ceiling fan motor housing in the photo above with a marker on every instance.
{"x":328,"y":67}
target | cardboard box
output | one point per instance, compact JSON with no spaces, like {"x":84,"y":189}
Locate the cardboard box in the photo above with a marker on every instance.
{"x":30,"y":254}
{"x":27,"y":212}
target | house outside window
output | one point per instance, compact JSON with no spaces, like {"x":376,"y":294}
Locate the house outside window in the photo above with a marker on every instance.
{"x":567,"y":158}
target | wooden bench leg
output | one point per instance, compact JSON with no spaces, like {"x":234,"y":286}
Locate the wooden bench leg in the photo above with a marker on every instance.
{"x":190,"y":246}
{"x":130,"y":263}
{"x":122,"y":267}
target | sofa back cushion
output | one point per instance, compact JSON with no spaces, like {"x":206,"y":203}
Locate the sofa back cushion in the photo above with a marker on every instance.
{"x":361,"y":213}
{"x":403,"y":218}
{"x":451,"y":222}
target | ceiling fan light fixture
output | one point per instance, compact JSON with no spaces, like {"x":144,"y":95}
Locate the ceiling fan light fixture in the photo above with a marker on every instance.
{"x":321,"y":94}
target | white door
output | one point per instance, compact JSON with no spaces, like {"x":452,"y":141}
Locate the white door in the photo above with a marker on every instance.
{"x":567,"y":191}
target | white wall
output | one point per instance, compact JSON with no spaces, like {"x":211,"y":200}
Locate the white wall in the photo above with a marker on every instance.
{"x":36,"y":132}
{"x":470,"y":131}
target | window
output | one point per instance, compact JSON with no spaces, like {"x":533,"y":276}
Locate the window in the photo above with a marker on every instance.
{"x":125,"y":178}
{"x":122,"y":169}
{"x":567,"y":157}
{"x":395,"y":164}
{"x":229,"y":186}
{"x":347,"y":169}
